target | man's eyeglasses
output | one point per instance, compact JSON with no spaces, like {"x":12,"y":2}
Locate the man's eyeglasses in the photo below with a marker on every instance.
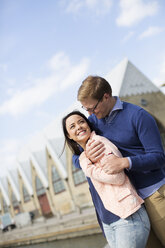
{"x":92,"y":109}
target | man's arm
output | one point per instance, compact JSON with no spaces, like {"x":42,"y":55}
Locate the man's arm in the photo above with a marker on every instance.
{"x":153,"y":156}
{"x":97,"y":173}
{"x":114,"y":164}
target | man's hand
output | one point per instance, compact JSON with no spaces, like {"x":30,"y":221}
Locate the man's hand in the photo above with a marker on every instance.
{"x":94,"y":150}
{"x":113,"y":164}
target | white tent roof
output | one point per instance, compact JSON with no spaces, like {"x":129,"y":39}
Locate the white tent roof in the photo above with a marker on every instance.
{"x":126,"y":80}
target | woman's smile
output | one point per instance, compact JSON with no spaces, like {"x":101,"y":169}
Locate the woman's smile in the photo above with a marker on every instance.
{"x":78,"y":129}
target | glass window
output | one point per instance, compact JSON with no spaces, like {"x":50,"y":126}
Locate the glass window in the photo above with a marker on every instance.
{"x":58,"y":183}
{"x":5,"y":207}
{"x":39,"y":187}
{"x":78,"y":175}
{"x":14,"y":200}
{"x":26,"y":195}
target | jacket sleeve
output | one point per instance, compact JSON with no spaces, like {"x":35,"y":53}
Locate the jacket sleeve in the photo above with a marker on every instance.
{"x":97,"y":173}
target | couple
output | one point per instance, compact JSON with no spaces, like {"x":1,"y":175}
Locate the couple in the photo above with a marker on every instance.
{"x":120,"y":210}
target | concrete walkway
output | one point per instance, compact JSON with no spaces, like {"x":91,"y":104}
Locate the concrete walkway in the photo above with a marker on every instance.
{"x":44,"y":230}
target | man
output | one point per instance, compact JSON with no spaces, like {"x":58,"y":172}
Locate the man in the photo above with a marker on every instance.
{"x":135,"y":133}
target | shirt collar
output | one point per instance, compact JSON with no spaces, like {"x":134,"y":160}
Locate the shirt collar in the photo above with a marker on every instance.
{"x":118,"y":105}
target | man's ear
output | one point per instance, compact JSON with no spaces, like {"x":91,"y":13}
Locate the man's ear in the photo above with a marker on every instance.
{"x":106,"y":95}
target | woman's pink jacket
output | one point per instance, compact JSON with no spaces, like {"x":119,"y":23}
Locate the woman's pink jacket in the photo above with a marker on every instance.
{"x":115,"y":190}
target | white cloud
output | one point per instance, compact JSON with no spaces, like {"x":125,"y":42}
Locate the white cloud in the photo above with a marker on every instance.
{"x":75,"y":74}
{"x":59,"y":62}
{"x":133,"y":11}
{"x":128,"y":36}
{"x":99,"y":7}
{"x":63,"y":74}
{"x":150,"y":32}
{"x":74,"y":6}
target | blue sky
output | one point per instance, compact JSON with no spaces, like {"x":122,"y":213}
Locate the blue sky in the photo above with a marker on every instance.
{"x":47,"y":47}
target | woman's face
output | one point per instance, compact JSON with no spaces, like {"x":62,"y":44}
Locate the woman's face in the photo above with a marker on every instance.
{"x":78,"y":129}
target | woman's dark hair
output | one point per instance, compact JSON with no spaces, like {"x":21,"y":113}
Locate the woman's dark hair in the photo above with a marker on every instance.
{"x":71,"y":143}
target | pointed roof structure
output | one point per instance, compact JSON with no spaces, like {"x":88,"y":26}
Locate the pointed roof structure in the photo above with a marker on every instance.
{"x":4,"y":190}
{"x":39,"y":166}
{"x":12,"y":176}
{"x":24,"y":169}
{"x":40,"y":157}
{"x":126,"y":80}
{"x":55,"y":147}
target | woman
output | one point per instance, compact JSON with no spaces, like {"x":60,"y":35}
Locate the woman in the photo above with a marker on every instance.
{"x":116,"y":192}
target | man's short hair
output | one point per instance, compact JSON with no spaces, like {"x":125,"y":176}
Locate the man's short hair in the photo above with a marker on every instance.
{"x":93,"y":87}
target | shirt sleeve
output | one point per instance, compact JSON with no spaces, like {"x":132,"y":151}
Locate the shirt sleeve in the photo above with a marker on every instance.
{"x":130,"y":163}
